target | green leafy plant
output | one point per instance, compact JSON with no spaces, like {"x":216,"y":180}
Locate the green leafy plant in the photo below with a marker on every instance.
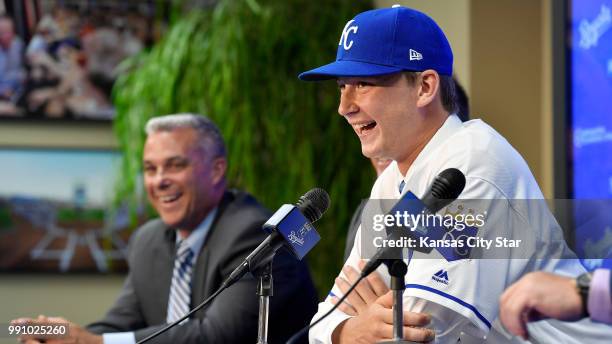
{"x":5,"y":217}
{"x":237,"y":62}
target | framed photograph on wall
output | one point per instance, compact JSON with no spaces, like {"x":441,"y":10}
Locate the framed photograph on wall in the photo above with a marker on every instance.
{"x":56,"y":212}
{"x":59,"y":59}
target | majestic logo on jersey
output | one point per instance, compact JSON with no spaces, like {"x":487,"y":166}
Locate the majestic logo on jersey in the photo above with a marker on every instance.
{"x":345,"y":33}
{"x":441,"y":277}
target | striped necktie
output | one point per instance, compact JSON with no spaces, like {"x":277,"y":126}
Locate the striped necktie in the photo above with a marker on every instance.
{"x":180,"y":290}
{"x":401,"y":186}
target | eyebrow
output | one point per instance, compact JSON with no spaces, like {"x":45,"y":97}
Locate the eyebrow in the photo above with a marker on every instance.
{"x":372,"y":79}
{"x":167,"y":160}
{"x":176,"y":157}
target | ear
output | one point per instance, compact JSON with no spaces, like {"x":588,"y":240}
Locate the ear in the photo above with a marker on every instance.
{"x":428,"y":82}
{"x":219,"y":167}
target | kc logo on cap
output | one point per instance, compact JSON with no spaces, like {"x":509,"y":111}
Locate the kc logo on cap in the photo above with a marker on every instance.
{"x":390,"y":40}
{"x":345,"y":33}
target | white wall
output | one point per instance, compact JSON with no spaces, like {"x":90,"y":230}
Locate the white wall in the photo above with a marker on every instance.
{"x":453,"y":16}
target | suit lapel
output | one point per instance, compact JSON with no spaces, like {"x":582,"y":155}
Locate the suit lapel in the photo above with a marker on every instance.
{"x":163,"y":262}
{"x":203,"y":283}
{"x":199,"y":276}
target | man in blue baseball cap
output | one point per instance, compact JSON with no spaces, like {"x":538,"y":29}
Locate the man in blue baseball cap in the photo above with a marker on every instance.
{"x":393,"y":68}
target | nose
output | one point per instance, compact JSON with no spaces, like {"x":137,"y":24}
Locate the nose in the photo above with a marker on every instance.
{"x":160,"y":179}
{"x":347,"y":104}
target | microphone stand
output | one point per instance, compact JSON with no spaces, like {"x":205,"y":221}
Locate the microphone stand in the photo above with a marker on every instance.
{"x":264,"y":291}
{"x":397,"y":269}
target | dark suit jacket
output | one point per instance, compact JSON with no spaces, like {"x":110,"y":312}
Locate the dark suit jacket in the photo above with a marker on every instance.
{"x":352,"y":230}
{"x":232,"y":316}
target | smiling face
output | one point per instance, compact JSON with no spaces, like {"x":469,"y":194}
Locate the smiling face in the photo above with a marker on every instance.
{"x":390,"y":115}
{"x":382,"y":112}
{"x":183,"y":183}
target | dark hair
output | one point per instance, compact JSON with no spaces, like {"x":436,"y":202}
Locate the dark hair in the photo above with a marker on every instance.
{"x":448,"y":93}
{"x":463,"y":103}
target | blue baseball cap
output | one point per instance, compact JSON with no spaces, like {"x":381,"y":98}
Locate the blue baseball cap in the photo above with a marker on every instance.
{"x":386,"y":41}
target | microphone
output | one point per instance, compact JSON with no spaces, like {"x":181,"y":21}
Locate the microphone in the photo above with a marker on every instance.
{"x":291,"y":227}
{"x":445,"y":188}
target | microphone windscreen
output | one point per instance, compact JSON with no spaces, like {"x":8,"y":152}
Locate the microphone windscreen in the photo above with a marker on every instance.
{"x":446,"y":187}
{"x":448,"y":184}
{"x":313,"y":204}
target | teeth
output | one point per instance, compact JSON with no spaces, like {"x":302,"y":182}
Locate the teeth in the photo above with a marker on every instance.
{"x":167,"y":199}
{"x":363,"y":125}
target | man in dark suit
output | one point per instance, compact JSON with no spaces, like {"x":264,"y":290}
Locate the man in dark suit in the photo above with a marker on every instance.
{"x":203,"y":233}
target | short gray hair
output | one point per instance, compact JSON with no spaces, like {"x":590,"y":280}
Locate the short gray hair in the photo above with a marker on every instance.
{"x":211,"y":139}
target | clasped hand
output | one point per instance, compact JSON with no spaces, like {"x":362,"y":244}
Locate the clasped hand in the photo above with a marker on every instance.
{"x":370,"y":306}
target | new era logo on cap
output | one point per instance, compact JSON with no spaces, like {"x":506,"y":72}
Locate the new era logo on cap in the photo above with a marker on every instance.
{"x":386,"y":41}
{"x":415,"y":55}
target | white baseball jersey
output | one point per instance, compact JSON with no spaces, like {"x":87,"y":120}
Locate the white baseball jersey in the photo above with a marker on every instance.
{"x":462,"y":296}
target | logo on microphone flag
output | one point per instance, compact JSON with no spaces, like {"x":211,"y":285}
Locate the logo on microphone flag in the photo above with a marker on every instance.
{"x":286,"y":220}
